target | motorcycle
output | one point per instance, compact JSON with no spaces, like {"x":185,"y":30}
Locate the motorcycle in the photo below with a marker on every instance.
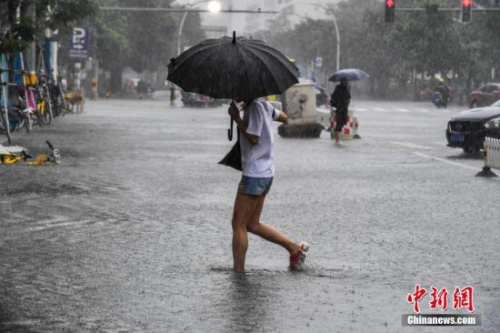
{"x":322,"y":98}
{"x":439,"y":100}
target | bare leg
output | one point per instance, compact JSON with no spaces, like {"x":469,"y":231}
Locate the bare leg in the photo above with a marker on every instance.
{"x":244,"y":207}
{"x":268,"y":232}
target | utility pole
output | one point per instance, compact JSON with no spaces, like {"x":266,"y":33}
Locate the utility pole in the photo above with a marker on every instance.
{"x":31,"y":51}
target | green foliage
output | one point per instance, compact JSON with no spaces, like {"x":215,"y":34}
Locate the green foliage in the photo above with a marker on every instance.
{"x":35,"y":16}
{"x":143,"y":40}
{"x":427,"y":43}
{"x":64,"y":13}
{"x":19,"y":36}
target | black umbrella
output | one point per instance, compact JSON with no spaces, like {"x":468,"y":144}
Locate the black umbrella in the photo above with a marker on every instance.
{"x":236,"y":68}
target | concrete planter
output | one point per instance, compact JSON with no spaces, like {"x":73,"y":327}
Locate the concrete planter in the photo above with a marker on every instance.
{"x":299,"y":103}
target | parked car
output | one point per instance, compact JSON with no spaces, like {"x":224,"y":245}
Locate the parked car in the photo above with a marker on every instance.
{"x":130,"y":85}
{"x":198,"y":100}
{"x":484,"y":95}
{"x":467,"y":129}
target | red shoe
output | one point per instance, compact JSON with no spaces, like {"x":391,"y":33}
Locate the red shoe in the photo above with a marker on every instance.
{"x":297,"y":259}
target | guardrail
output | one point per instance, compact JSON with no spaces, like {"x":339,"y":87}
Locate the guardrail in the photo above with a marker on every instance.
{"x":491,"y":157}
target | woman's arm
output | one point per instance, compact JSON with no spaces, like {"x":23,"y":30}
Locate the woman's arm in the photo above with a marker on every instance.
{"x":282,"y":118}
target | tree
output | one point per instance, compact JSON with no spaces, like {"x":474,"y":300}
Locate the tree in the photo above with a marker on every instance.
{"x":397,"y":55}
{"x":35,"y":16}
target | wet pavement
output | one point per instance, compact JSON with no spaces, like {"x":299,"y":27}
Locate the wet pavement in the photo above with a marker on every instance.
{"x":131,"y":233}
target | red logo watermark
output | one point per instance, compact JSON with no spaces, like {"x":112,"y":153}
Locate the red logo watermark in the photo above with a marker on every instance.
{"x":462,"y":298}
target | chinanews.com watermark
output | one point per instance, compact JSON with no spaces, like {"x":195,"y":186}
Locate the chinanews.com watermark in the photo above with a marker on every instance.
{"x":461,"y":299}
{"x":441,"y":320}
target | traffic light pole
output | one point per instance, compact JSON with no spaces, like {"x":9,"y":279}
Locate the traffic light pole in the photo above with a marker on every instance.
{"x":183,"y":10}
{"x":448,"y":9}
{"x":466,"y":11}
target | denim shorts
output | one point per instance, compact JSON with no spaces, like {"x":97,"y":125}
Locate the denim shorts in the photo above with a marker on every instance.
{"x":255,"y":186}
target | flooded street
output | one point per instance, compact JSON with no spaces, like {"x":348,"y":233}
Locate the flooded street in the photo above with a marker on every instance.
{"x":132,"y":232}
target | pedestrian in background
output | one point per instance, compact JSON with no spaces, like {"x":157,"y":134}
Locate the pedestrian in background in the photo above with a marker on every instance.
{"x":141,"y":88}
{"x":257,"y":152}
{"x":173,"y":92}
{"x":340,"y":100}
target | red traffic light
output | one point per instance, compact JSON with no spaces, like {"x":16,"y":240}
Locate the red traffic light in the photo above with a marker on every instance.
{"x":466,"y":10}
{"x":390,"y":9}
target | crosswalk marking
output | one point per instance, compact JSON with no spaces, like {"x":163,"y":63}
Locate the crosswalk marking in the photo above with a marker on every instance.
{"x":411,"y":145}
{"x":401,"y":110}
{"x":391,"y":110}
{"x":423,"y":110}
{"x":447,"y":161}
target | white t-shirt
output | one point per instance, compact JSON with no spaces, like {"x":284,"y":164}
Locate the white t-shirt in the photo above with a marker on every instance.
{"x":258,"y":161}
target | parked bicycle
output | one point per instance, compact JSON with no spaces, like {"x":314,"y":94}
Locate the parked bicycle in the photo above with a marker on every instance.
{"x":60,"y":105}
{"x":44,"y":104}
{"x":12,"y":118}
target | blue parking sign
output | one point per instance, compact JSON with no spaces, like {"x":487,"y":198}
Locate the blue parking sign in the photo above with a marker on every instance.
{"x":319,"y":61}
{"x":79,"y":43}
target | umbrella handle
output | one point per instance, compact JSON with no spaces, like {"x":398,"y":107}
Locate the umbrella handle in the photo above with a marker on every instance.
{"x":230,"y":131}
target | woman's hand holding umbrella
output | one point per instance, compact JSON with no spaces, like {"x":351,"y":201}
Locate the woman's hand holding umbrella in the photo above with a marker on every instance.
{"x":234,"y":113}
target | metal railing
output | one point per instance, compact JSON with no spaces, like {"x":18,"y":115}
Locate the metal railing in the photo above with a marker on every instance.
{"x":491,"y":157}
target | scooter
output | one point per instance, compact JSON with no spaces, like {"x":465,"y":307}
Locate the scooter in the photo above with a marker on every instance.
{"x":439,"y":101}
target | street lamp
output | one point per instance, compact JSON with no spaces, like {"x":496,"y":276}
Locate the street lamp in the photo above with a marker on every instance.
{"x":329,"y":11}
{"x":213,"y":7}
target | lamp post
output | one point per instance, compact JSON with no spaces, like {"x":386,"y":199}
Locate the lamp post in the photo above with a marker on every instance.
{"x":329,"y":11}
{"x":213,"y":7}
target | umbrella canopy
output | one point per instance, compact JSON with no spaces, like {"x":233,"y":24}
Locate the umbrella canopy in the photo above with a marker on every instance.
{"x":236,"y":68}
{"x":349,"y":74}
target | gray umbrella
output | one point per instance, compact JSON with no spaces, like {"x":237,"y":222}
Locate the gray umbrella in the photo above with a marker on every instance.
{"x":349,"y":74}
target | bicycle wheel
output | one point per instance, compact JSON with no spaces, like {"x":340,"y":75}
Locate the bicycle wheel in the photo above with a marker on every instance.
{"x":46,"y":112}
{"x":57,"y":106}
{"x":35,"y":118}
{"x":61,"y":107}
{"x":4,"y":123}
{"x":18,"y":118}
{"x":28,"y":120}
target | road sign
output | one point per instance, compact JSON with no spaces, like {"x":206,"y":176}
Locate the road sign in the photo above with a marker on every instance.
{"x":79,"y":43}
{"x":319,"y":61}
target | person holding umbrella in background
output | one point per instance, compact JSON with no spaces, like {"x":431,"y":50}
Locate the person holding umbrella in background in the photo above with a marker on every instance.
{"x":341,"y":97}
{"x":243,"y":70}
{"x":340,"y":100}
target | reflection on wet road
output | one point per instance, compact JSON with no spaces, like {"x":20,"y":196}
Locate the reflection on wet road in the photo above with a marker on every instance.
{"x":131,"y":233}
